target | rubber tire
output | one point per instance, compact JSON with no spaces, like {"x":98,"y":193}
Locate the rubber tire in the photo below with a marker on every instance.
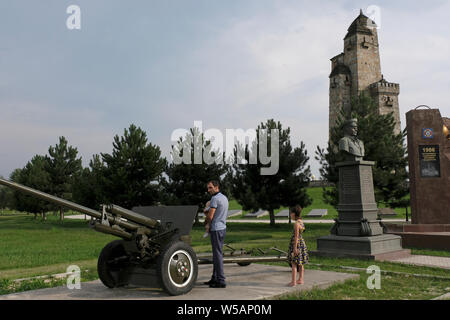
{"x":104,"y":273}
{"x":162,"y":266}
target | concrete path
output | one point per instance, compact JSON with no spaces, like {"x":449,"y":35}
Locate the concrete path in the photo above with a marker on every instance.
{"x":427,"y":261}
{"x":445,"y":296}
{"x":253,"y":282}
{"x":257,"y":220}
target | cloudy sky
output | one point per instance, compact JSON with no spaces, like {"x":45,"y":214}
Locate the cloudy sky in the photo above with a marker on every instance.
{"x":163,"y":64}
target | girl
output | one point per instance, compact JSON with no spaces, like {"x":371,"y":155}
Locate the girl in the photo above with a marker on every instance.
{"x":298,"y":253}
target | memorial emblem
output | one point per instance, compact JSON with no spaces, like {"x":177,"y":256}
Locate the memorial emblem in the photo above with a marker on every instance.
{"x":427,"y":133}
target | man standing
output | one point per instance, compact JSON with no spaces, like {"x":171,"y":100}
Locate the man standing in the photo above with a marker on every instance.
{"x":217,"y":217}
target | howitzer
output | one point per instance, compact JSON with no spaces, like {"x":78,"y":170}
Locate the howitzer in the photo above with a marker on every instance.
{"x":155,"y":243}
{"x":155,"y":248}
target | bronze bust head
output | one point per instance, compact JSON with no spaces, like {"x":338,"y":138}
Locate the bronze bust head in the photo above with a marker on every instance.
{"x":350,"y":145}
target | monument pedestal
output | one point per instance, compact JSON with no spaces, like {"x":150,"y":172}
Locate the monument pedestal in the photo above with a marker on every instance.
{"x":381,"y":247}
{"x":358,"y":232}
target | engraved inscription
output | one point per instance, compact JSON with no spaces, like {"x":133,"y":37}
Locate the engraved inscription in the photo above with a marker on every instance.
{"x":350,"y":187}
{"x":367,"y":185}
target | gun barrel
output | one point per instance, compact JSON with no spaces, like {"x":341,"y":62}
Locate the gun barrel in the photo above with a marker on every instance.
{"x":108,"y":230}
{"x":133,"y":216}
{"x":50,"y":198}
{"x":67,"y":204}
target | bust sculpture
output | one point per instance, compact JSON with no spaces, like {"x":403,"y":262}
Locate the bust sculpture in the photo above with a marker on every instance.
{"x":350,"y":145}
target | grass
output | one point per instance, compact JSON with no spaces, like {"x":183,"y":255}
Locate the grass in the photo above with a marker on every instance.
{"x":30,"y":247}
{"x":9,"y":286}
{"x":28,"y":243}
{"x":392,"y":287}
{"x":317,"y":203}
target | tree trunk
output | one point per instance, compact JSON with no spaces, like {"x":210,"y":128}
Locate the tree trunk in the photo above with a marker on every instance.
{"x":61,"y":214}
{"x":35,"y":216}
{"x":272,"y":217}
{"x":44,"y":216}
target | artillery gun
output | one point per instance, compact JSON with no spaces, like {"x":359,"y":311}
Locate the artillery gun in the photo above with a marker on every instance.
{"x":155,"y":248}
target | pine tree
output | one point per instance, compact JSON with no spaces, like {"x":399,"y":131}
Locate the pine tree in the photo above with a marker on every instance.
{"x":133,"y":171}
{"x":89,"y":184}
{"x":62,"y":166}
{"x":33,"y":175}
{"x":381,"y":145}
{"x":5,"y":197}
{"x":186,"y":182}
{"x":287,"y":187}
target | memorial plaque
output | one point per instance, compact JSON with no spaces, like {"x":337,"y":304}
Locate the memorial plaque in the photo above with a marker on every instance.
{"x":318,"y":213}
{"x":429,"y":161}
{"x":283,"y":213}
{"x":349,"y":185}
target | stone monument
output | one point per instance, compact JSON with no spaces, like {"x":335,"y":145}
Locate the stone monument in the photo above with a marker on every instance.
{"x":357,"y":233}
{"x":429,"y":176}
{"x":429,"y":163}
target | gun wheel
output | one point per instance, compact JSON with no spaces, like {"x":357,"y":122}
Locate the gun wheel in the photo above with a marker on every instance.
{"x":177,"y":268}
{"x":111,"y":264}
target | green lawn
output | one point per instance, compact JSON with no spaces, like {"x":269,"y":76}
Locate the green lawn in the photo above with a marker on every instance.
{"x":392,"y":287}
{"x":316,"y":194}
{"x":26,"y":243}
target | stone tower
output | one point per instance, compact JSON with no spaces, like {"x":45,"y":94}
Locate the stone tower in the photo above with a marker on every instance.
{"x":358,"y":69}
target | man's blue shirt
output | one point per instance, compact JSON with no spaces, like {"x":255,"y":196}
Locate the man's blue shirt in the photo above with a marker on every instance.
{"x":220,"y":203}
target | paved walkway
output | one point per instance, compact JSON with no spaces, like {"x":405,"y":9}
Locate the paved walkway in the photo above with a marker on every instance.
{"x":428,"y":261}
{"x":252,"y":282}
{"x":81,"y":216}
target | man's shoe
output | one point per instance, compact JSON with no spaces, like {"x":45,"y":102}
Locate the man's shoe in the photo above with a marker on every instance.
{"x":210,"y":282}
{"x":217,"y":285}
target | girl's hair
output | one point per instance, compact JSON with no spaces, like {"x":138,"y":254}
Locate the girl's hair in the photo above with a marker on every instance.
{"x":297,"y":210}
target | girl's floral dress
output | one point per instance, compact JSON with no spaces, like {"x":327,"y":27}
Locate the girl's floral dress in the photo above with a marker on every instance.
{"x":302,"y":257}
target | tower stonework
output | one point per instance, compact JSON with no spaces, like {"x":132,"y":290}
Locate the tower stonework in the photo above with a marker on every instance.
{"x":358,"y":69}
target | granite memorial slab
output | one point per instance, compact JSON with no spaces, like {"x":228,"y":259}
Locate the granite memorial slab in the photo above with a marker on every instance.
{"x":257,"y":214}
{"x":386,"y":212}
{"x":429,"y":163}
{"x":317,"y":213}
{"x":233,"y":213}
{"x":283,"y":214}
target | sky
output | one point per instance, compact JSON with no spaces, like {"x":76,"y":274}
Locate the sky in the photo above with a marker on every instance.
{"x":231,"y":64}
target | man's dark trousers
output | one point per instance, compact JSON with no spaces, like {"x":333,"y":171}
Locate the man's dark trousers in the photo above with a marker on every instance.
{"x":217,"y":238}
